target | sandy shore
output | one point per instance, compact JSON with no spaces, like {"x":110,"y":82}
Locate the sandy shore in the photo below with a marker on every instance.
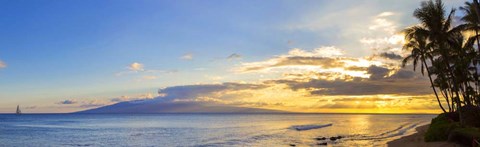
{"x":416,"y":140}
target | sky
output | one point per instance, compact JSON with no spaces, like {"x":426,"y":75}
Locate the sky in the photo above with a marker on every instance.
{"x":301,"y":56}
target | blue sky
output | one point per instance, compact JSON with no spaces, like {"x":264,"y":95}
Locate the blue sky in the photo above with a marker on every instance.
{"x":85,"y":49}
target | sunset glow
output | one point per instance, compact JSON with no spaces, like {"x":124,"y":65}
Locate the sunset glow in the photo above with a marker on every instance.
{"x":317,"y":57}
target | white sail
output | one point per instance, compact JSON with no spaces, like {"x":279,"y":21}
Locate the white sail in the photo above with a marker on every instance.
{"x":18,"y":110}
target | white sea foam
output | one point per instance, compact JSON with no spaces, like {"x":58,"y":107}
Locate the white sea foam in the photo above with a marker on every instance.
{"x":309,"y":127}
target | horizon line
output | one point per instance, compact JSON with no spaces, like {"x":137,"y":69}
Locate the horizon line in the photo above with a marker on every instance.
{"x":227,"y":113}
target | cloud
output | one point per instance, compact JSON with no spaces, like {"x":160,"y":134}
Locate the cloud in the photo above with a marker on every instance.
{"x":360,"y":87}
{"x":390,"y":55}
{"x":323,"y":57}
{"x":143,"y":74}
{"x":341,"y":75}
{"x":372,"y":28}
{"x":287,"y":62}
{"x":149,"y":77}
{"x":188,"y":56}
{"x":205,"y":94}
{"x":377,"y":72}
{"x":362,"y":99}
{"x":195,"y":91}
{"x":385,"y":14}
{"x":2,"y":64}
{"x":92,"y":103}
{"x":83,"y":103}
{"x":382,"y":102}
{"x":404,"y":74}
{"x":67,"y":102}
{"x":120,"y":99}
{"x":328,"y":71}
{"x":382,"y":23}
{"x":135,"y":66}
{"x":234,"y":56}
{"x":382,"y":80}
{"x":326,"y":51}
{"x":386,"y":41}
{"x":320,"y":60}
{"x":384,"y":32}
{"x":134,"y":98}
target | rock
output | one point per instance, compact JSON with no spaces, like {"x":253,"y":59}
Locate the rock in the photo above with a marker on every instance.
{"x":322,"y":143}
{"x":333,"y":138}
{"x":293,"y":145}
{"x":320,"y":138}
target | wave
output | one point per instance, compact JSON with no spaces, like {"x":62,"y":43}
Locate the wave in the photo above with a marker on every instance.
{"x":44,"y":126}
{"x":398,"y":132}
{"x":241,"y":141}
{"x":73,"y":144}
{"x":309,"y":127}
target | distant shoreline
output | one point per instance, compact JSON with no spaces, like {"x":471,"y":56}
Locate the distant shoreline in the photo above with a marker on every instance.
{"x":233,"y":113}
{"x":416,"y":139}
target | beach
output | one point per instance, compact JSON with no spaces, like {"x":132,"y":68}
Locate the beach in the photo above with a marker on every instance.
{"x":416,"y":140}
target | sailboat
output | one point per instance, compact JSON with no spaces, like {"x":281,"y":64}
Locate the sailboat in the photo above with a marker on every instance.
{"x":18,"y":110}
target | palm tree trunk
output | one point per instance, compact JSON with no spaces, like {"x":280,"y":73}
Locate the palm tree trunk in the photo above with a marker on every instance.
{"x":445,"y":95}
{"x":433,"y":87}
{"x":450,"y":106}
{"x":453,"y":100}
{"x":454,"y":84}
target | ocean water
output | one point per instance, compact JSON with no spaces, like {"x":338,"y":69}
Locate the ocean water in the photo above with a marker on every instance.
{"x":203,"y":129}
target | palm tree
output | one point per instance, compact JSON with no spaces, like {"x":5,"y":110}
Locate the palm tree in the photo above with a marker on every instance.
{"x":470,"y":18}
{"x":419,"y":53}
{"x":463,"y":53}
{"x":435,"y":26}
{"x":477,"y":8}
{"x":472,"y":23}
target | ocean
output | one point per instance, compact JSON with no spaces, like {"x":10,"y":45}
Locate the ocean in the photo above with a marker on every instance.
{"x":169,"y":130}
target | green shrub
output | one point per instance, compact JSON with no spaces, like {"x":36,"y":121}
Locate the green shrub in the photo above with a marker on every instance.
{"x":464,"y":136}
{"x":440,"y":128}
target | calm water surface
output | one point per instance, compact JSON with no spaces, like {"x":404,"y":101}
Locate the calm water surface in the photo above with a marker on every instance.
{"x":203,"y":129}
